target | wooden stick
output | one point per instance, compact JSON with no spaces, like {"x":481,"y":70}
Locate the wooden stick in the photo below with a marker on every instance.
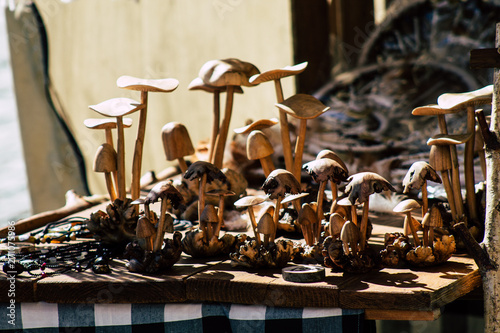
{"x":222,"y":137}
{"x":299,"y":149}
{"x":284,"y":129}
{"x":135,"y":187}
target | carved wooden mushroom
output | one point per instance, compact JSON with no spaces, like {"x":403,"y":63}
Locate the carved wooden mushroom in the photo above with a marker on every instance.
{"x":209,"y":218}
{"x":277,"y":184}
{"x":248,"y":202}
{"x":146,"y":230}
{"x":105,"y":161}
{"x":222,"y":194}
{"x":360,"y":187}
{"x":433,"y":219}
{"x":226,"y":73}
{"x":276,"y":75}
{"x":266,"y":228}
{"x":198,"y":84}
{"x":469,"y":101}
{"x":176,"y":143}
{"x":323,"y":170}
{"x":118,"y":108}
{"x":307,"y":220}
{"x":350,"y":236}
{"x":259,"y":148}
{"x":167,"y":192}
{"x":326,"y":153}
{"x":416,"y":178}
{"x":337,"y":221}
{"x":257,"y":125}
{"x":303,"y":107}
{"x":406,"y":207}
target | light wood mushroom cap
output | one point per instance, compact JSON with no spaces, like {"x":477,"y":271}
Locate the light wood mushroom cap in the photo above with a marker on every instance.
{"x":144,"y":228}
{"x":303,"y":106}
{"x":279,"y":182}
{"x":350,"y":233}
{"x":326,"y":153}
{"x":307,"y":215}
{"x":418,"y":173}
{"x":440,"y":158}
{"x":153,"y":85}
{"x":406,"y":206}
{"x":432,"y":110}
{"x":472,"y":98}
{"x":258,"y":146}
{"x":198,"y":84}
{"x":346,"y":202}
{"x":363,"y":184}
{"x":325,"y":169}
{"x":250,"y":200}
{"x":292,"y":197}
{"x":116,"y":107}
{"x":209,"y":214}
{"x":433,"y":218}
{"x":220,"y":192}
{"x":176,"y":141}
{"x":105,"y":123}
{"x":449,"y":139}
{"x":276,"y":74}
{"x":105,"y":159}
{"x":336,"y":224}
{"x":256,"y":126}
{"x":227,"y":72}
{"x":265,"y":225}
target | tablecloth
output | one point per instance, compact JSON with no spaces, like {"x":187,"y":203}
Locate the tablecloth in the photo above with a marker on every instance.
{"x":177,"y":317}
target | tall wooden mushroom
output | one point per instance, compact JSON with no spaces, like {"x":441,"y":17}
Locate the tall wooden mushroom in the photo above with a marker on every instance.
{"x":303,"y":107}
{"x":105,"y":161}
{"x":144,"y":86}
{"x":259,"y":148}
{"x":359,"y":189}
{"x":416,"y":178}
{"x":118,"y":108}
{"x":176,"y":143}
{"x":323,"y":170}
{"x":277,"y":184}
{"x":276,"y":75}
{"x":227,"y":73}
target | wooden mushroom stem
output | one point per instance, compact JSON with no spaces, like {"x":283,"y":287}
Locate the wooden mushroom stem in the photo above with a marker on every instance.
{"x":321,"y":215}
{"x":220,"y":221}
{"x":363,"y":226}
{"x":409,"y":222}
{"x":425,"y":200}
{"x":469,"y":165}
{"x":110,"y":186}
{"x":299,"y":149}
{"x":251,"y":213}
{"x":284,"y":129}
{"x":120,"y":155}
{"x":201,"y":203}
{"x":135,"y":187}
{"x":160,"y":231}
{"x":276,"y":217}
{"x":215,"y":126}
{"x":222,"y":136}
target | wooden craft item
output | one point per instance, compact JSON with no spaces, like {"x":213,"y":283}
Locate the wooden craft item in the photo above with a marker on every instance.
{"x":176,"y":143}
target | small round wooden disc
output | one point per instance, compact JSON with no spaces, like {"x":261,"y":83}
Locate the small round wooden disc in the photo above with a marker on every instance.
{"x":303,"y":273}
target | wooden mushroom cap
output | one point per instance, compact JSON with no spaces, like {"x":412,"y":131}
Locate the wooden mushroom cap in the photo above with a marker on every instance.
{"x":276,"y":74}
{"x":432,"y":110}
{"x":105,"y":123}
{"x":198,"y":84}
{"x":325,"y":169}
{"x":449,"y":139}
{"x":303,"y":106}
{"x":292,"y":197}
{"x":209,"y":214}
{"x":200,"y":168}
{"x":105,"y":159}
{"x":307,"y":215}
{"x":250,"y":200}
{"x":439,"y":158}
{"x":154,"y":85}
{"x":279,"y":182}
{"x":350,"y":234}
{"x":165,"y":190}
{"x":460,"y":100}
{"x":258,"y":146}
{"x":419,"y":172}
{"x":266,"y":224}
{"x":144,"y":228}
{"x":116,"y":107}
{"x":435,"y":219}
{"x":326,"y":153}
{"x":221,"y":192}
{"x":336,"y":224}
{"x":406,"y":206}
{"x":176,"y":141}
{"x":363,"y":184}
{"x":256,"y":126}
{"x":227,"y":72}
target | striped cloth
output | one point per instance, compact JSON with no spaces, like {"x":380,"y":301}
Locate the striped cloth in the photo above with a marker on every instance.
{"x":178,"y":318}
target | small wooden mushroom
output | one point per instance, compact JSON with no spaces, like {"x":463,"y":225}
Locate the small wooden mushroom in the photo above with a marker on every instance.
{"x":209,"y":218}
{"x":335,"y":225}
{"x":222,"y":194}
{"x":266,"y":227}
{"x":259,"y":148}
{"x":326,"y":153}
{"x":145,"y":230}
{"x":257,"y":125}
{"x":228,"y":73}
{"x":416,"y":178}
{"x":176,"y":143}
{"x":308,"y":220}
{"x":303,"y":107}
{"x":276,"y":75}
{"x":350,"y":236}
{"x":105,"y":161}
{"x":431,"y":220}
{"x":248,"y":202}
{"x":118,"y":108}
{"x":406,"y":207}
{"x":439,"y":159}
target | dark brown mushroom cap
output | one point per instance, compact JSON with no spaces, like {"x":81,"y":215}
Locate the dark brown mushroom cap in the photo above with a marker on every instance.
{"x":176,"y":141}
{"x":227,"y":72}
{"x":325,"y":169}
{"x":433,"y":218}
{"x":105,"y":123}
{"x":144,"y":228}
{"x":198,"y":84}
{"x":250,"y":200}
{"x":471,"y":98}
{"x":258,"y":146}
{"x":307,"y":215}
{"x":265,"y":225}
{"x":116,"y":107}
{"x":303,"y":106}
{"x":209,"y":214}
{"x":105,"y":159}
{"x":276,"y":74}
{"x":164,"y":190}
{"x":418,"y":173}
{"x":279,"y":182}
{"x":256,"y":126}
{"x":406,"y":206}
{"x":326,"y":153}
{"x":199,"y":168}
{"x":153,"y":85}
{"x":363,"y":184}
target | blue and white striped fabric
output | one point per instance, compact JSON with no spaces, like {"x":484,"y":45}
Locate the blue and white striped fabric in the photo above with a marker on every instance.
{"x":178,"y":318}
